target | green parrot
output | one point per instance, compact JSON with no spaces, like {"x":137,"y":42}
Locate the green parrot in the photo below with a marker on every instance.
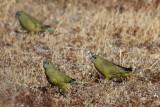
{"x":109,"y":69}
{"x":56,"y":77}
{"x":31,"y":24}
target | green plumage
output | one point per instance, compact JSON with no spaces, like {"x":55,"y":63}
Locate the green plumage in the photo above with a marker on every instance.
{"x":109,"y":69}
{"x":31,"y":24}
{"x":56,"y":77}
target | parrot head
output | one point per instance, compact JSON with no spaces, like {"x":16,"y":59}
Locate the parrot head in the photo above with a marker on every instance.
{"x":20,"y":14}
{"x":47,"y":64}
{"x":96,"y":59}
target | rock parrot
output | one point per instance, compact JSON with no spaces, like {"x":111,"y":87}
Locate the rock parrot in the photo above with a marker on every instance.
{"x":31,"y":24}
{"x":56,"y":77}
{"x":109,"y":69}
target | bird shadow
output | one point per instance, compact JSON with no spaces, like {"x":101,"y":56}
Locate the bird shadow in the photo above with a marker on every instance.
{"x":46,"y":89}
{"x":120,"y":79}
{"x":43,"y":89}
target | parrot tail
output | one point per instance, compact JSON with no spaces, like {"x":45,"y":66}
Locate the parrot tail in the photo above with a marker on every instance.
{"x":137,"y":75}
{"x":50,"y":30}
{"x":53,"y":31}
{"x":76,"y":82}
{"x":46,"y":27}
{"x":125,"y":72}
{"x":128,"y":69}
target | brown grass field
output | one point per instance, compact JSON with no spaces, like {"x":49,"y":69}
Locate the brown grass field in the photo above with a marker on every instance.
{"x":126,"y":32}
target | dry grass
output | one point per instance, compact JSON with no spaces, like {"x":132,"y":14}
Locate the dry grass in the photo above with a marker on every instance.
{"x":126,"y":32}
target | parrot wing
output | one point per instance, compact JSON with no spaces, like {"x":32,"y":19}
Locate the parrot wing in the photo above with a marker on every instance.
{"x":68,"y":79}
{"x":117,"y":69}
